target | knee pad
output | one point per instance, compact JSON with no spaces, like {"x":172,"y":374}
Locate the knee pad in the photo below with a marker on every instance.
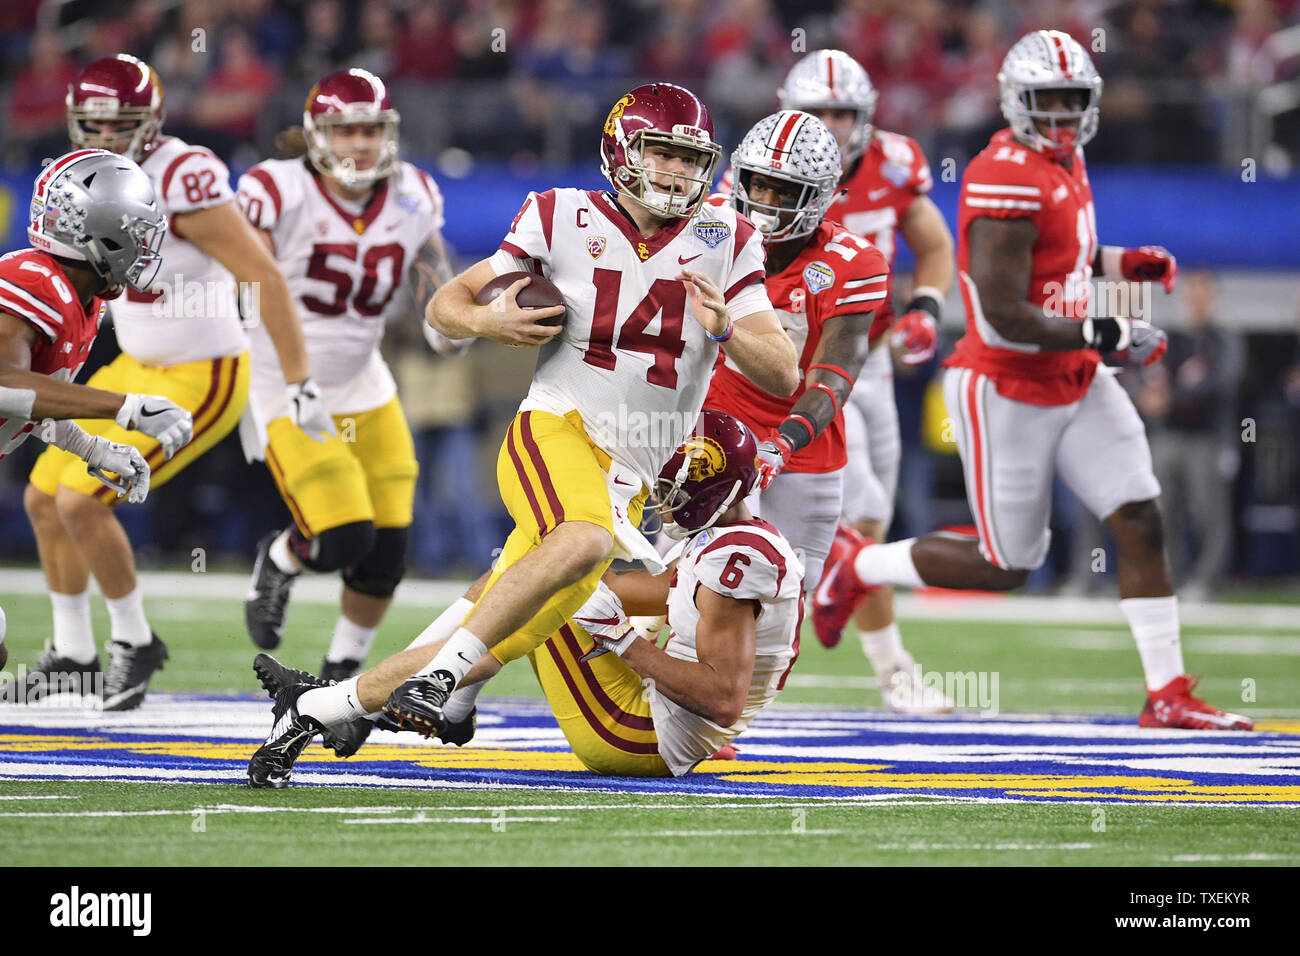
{"x":334,"y":548}
{"x":380,"y":571}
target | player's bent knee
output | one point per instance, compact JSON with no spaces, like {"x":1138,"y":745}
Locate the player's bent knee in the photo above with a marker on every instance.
{"x":581,"y":549}
{"x":335,"y":548}
{"x":381,"y":570}
{"x":76,"y":509}
{"x":41,"y":508}
{"x":1138,"y":524}
{"x":1005,"y":579}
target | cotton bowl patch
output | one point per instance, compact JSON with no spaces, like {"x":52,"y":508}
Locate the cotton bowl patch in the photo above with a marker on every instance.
{"x":712,"y":233}
{"x":819,"y":276}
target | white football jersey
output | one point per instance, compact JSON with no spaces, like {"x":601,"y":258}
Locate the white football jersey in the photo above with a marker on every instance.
{"x":630,"y":360}
{"x":744,"y":560}
{"x":191,"y":312}
{"x":346,"y":268}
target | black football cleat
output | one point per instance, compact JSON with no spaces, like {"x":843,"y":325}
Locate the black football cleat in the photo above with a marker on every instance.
{"x":58,"y":675}
{"x":272,"y":764}
{"x":460,"y":732}
{"x":129,"y":670}
{"x":345,"y":739}
{"x":419,"y":702}
{"x":336,"y":671}
{"x":267,"y":603}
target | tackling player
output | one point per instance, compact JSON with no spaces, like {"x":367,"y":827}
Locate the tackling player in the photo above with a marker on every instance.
{"x":1025,"y":388}
{"x":884,"y":192}
{"x":733,"y":601}
{"x":348,"y":223}
{"x":180,"y":337}
{"x":618,"y":387}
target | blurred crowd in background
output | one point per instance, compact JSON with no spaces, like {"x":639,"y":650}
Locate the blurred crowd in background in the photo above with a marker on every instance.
{"x":526,"y":84}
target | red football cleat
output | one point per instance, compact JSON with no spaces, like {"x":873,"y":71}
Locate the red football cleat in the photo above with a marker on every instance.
{"x":839,"y":592}
{"x":1174,"y":706}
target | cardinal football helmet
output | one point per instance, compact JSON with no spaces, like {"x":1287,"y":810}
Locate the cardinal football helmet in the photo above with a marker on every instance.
{"x":713,"y":469}
{"x":342,"y":98}
{"x":833,"y":80}
{"x":116,"y":89}
{"x":1049,"y":60}
{"x":665,"y":115}
{"x":99,"y":207}
{"x":797,"y":148}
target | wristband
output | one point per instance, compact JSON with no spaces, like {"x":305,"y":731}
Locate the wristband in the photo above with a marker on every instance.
{"x":1105,"y":334}
{"x":798,"y":430}
{"x":1112,"y":258}
{"x":927,"y":299}
{"x":725,"y":335}
{"x":837,"y":370}
{"x":827,"y":389}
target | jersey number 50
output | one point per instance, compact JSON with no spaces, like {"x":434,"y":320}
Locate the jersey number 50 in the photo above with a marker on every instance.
{"x":365,"y":301}
{"x":667,"y":299}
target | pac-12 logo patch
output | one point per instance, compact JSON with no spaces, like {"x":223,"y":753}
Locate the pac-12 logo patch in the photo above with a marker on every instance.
{"x":712,"y":233}
{"x":595,"y":246}
{"x":819,"y":276}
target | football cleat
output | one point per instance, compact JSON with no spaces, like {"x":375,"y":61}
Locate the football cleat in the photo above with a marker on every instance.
{"x":57,"y":675}
{"x":266,"y":605}
{"x":129,"y":670}
{"x":904,"y":692}
{"x":272,"y":764}
{"x":1174,"y":706}
{"x":333,"y":671}
{"x":460,"y":732}
{"x":344,"y":739}
{"x":839,"y":591}
{"x":419,"y":702}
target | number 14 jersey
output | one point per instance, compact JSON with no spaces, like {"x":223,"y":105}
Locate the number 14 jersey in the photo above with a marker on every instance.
{"x":630,"y":360}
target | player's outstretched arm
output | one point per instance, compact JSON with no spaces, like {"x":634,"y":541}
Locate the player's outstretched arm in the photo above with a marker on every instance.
{"x":756,"y":343}
{"x":430,"y":271}
{"x":717,"y":685}
{"x":641,"y":593}
{"x":926,"y":233}
{"x":455,"y":313}
{"x":33,"y":396}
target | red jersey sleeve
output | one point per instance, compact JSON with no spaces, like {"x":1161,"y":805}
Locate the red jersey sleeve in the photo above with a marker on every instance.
{"x":36,"y":293}
{"x":1001,"y":183}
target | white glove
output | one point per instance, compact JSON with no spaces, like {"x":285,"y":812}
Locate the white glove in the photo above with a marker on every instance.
{"x":309,"y":412}
{"x":101,"y":456}
{"x":159,"y":418}
{"x":602,"y":617}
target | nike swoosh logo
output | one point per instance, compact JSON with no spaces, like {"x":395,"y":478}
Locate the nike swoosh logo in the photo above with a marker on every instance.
{"x":464,"y":658}
{"x":620,"y":481}
{"x":609,"y":621}
{"x":821,"y":597}
{"x":148,"y":414}
{"x":682,"y":260}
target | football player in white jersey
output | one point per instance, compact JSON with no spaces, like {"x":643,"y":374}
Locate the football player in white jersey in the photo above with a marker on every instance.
{"x":349,"y":223}
{"x":180,"y":338}
{"x":733,"y":599}
{"x":618,"y":386}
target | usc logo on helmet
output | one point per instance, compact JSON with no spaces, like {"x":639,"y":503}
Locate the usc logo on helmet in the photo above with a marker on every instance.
{"x":706,"y":457}
{"x":624,"y":102}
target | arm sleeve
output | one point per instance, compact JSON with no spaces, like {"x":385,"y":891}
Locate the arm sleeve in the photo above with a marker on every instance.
{"x":746,"y":565}
{"x":530,"y":232}
{"x":261,"y":198}
{"x":999,"y":187}
{"x":745,"y":288}
{"x":196,"y":180}
{"x":439,"y":218}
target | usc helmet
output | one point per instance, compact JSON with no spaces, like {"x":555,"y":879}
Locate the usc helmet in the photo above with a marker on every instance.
{"x":710,"y":471}
{"x":116,"y":89}
{"x":794,"y":147}
{"x":1049,"y":60}
{"x":99,"y":207}
{"x":833,"y":80}
{"x":346,"y":97}
{"x":665,"y":115}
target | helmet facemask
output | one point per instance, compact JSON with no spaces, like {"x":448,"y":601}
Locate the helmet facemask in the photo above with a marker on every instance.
{"x":320,"y":147}
{"x":686,"y":191}
{"x":802,"y":216}
{"x":684,"y":512}
{"x":1067,"y":129}
{"x":132,"y":142}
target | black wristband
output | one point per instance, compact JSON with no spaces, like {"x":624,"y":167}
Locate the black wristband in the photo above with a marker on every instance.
{"x":1105,"y":334}
{"x":796,"y":433}
{"x":926,"y":303}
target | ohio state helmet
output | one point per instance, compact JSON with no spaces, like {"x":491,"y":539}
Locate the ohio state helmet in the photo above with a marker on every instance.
{"x":116,"y":89}
{"x":99,"y":207}
{"x":794,"y":147}
{"x":665,"y":115}
{"x":343,"y":98}
{"x":833,"y":80}
{"x":1049,"y":60}
{"x":710,"y":471}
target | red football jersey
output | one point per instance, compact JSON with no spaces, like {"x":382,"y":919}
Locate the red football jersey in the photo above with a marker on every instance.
{"x":1010,"y":181}
{"x":33,"y":286}
{"x":836,"y":273}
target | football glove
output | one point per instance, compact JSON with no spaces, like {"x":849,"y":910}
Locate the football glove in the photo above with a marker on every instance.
{"x":1150,"y":264}
{"x":772,"y":456}
{"x":159,"y":418}
{"x":915,"y":336}
{"x":102,"y":456}
{"x":1130,"y":339}
{"x":603,"y":618}
{"x":1147,"y":344}
{"x":308,"y":410}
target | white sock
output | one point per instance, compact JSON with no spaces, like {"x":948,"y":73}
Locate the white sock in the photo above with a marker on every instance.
{"x":74,"y":636}
{"x":1154,"y":622}
{"x":444,"y":626}
{"x":279,"y":554}
{"x":351,"y":641}
{"x":462,"y":701}
{"x":888,"y":564}
{"x":333,"y":705}
{"x":882,"y":647}
{"x":127,"y":616}
{"x":458,"y":655}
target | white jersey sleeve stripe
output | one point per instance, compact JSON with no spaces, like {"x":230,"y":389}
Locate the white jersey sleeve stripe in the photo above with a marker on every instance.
{"x":1003,"y":204}
{"x":859,"y":283}
{"x":995,"y":189}
{"x":864,"y":297}
{"x":43,"y":307}
{"x":22,"y":311}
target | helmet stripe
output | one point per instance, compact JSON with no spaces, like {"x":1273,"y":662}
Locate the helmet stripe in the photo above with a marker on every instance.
{"x":1061,"y":56}
{"x":58,"y":166}
{"x":830,"y":75}
{"x":788,"y":131}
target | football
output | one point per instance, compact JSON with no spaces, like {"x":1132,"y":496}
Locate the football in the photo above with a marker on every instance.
{"x":540,"y":293}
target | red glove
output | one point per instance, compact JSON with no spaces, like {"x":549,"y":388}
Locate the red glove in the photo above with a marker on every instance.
{"x":772,"y":456}
{"x":915,"y":335}
{"x":1150,"y":264}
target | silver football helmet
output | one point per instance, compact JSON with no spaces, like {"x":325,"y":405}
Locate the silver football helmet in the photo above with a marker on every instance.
{"x":833,"y":80}
{"x":99,"y":207}
{"x":794,"y":147}
{"x":1049,"y":60}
